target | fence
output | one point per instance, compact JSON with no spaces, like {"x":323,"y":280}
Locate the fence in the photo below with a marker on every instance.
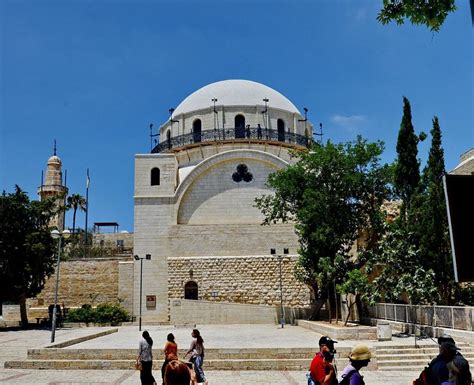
{"x":454,"y":317}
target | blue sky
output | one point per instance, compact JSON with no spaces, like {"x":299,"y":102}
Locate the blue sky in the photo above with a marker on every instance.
{"x":94,"y":74}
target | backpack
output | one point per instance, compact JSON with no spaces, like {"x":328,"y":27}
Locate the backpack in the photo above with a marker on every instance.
{"x":346,"y":380}
{"x":426,"y":377}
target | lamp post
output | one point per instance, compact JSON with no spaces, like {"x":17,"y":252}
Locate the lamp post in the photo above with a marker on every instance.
{"x":280,"y":258}
{"x":55,"y":234}
{"x":137,"y":258}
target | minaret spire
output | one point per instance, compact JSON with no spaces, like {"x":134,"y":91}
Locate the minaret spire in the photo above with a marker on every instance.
{"x":54,"y":153}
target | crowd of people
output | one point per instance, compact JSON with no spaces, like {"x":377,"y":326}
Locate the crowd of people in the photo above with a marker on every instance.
{"x":449,"y":367}
{"x":174,"y":371}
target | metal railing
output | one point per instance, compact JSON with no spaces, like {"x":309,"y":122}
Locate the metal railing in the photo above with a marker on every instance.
{"x":453,"y":317}
{"x":256,"y":134}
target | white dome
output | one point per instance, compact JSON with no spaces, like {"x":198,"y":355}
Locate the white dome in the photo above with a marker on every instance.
{"x":54,"y":159}
{"x":234,"y":93}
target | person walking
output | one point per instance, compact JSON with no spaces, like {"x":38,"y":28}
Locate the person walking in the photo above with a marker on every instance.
{"x":459,"y":373}
{"x":171,"y":352}
{"x":322,"y":371}
{"x":359,"y":357}
{"x":197,"y":355}
{"x":145,"y":356}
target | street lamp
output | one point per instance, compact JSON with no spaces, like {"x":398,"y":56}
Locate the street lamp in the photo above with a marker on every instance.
{"x":137,"y":258}
{"x":280,"y":258}
{"x":56,"y":234}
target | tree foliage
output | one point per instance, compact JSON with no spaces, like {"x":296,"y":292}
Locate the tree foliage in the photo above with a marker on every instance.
{"x":395,"y":263}
{"x":26,"y":247}
{"x":431,"y":13}
{"x":407,"y":167}
{"x":331,"y":193}
{"x":355,"y":287}
{"x":428,"y":218}
{"x":75,"y":202}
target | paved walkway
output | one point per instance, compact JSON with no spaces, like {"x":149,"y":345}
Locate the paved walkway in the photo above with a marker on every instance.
{"x":14,"y":344}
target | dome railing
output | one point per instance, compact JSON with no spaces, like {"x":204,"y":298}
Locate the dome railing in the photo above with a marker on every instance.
{"x":245,"y":134}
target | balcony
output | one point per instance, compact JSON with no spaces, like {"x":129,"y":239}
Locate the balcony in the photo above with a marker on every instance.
{"x":233,"y":135}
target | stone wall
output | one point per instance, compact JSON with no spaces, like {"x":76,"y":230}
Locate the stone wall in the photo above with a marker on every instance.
{"x":183,"y":312}
{"x":86,"y":281}
{"x":247,"y":280}
{"x":466,"y":164}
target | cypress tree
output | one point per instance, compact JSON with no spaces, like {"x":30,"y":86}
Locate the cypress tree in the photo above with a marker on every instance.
{"x":433,"y":224}
{"x":407,"y":168}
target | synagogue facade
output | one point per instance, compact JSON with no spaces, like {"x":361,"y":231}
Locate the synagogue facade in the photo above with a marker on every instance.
{"x":194,"y":200}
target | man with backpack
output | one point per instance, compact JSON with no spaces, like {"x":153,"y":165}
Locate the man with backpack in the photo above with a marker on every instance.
{"x":322,"y":370}
{"x":359,"y":357}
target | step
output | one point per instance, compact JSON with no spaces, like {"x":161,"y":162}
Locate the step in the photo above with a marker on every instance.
{"x":243,"y":364}
{"x":467,"y":355}
{"x":130,"y":354}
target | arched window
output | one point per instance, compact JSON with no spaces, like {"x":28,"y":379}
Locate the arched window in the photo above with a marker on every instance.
{"x":168,"y":138}
{"x":281,"y":130}
{"x":191,"y":290}
{"x":239,"y":126}
{"x":197,"y":131}
{"x":155,"y":176}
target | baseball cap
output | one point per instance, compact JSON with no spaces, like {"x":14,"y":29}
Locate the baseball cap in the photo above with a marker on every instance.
{"x":328,"y":341}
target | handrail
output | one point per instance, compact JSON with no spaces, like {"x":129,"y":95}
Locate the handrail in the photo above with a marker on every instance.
{"x":257,"y":134}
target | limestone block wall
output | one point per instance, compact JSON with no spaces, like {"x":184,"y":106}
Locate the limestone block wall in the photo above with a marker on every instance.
{"x":125,"y":284}
{"x":216,"y":198}
{"x":184,"y":312}
{"x":247,"y":280}
{"x":228,"y":240}
{"x":466,"y":165}
{"x":168,"y":166}
{"x":110,"y":239}
{"x":91,"y":281}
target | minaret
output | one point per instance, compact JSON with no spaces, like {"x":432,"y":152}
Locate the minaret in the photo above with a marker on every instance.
{"x":54,"y":188}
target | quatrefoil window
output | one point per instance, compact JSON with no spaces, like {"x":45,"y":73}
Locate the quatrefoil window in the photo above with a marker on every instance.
{"x":242,"y":174}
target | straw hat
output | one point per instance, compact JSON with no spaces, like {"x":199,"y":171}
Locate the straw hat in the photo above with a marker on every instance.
{"x":360,"y":353}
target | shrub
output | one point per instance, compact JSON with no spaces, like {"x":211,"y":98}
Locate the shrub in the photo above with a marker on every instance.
{"x":104,"y":313}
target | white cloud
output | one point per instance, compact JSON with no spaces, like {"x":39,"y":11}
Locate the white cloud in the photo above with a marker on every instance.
{"x":348,"y":121}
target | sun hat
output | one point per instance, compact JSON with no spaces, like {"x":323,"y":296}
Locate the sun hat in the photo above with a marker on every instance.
{"x":360,"y":353}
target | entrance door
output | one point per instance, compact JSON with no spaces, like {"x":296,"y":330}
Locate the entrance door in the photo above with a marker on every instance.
{"x":239,"y":127}
{"x":281,"y":130}
{"x":191,"y":290}
{"x":197,"y":131}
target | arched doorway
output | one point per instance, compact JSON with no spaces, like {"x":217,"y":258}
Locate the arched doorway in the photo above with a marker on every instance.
{"x":281,"y":130}
{"x":191,"y":290}
{"x":168,"y":138}
{"x":239,"y":126}
{"x":197,"y":131}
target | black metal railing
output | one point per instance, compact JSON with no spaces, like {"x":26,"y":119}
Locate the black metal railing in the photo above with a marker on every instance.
{"x":244,"y":134}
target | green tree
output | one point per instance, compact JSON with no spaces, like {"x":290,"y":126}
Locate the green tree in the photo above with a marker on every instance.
{"x":395,"y":263}
{"x":331,"y":193}
{"x":75,"y":202}
{"x":407,"y":166}
{"x":431,"y":13}
{"x":354,"y":287}
{"x":429,"y":221}
{"x":26,"y":247}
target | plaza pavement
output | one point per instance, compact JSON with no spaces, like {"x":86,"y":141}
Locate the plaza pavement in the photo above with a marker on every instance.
{"x":14,"y":345}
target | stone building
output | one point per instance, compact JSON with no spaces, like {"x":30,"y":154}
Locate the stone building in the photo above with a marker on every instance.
{"x":195,"y":195}
{"x":466,"y":164}
{"x":54,"y":188}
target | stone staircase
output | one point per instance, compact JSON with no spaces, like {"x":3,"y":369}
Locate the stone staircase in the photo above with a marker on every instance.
{"x":215,"y":359}
{"x":389,"y":357}
{"x":411,"y":358}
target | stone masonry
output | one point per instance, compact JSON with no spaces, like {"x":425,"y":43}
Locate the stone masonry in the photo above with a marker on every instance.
{"x":249,"y":280}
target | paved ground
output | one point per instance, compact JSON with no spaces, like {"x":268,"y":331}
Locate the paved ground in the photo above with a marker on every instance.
{"x":14,"y":344}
